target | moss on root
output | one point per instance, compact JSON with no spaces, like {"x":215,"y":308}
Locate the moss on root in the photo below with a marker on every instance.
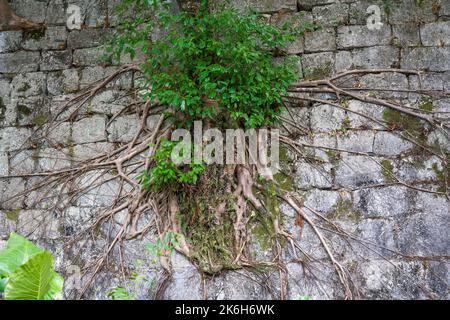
{"x":212,"y":237}
{"x":211,"y":240}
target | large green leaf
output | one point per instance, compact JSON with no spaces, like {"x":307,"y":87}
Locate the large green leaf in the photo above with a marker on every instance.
{"x":17,"y":252}
{"x":3,"y":282}
{"x":34,"y":280}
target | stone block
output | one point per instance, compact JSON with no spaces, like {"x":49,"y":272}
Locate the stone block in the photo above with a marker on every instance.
{"x":331,"y":15}
{"x":361,"y":36}
{"x":56,"y":60}
{"x":326,"y":117}
{"x":356,"y":141}
{"x":428,"y":58}
{"x":320,"y":40}
{"x":435,"y":34}
{"x":21,"y":61}
{"x":12,"y":139}
{"x":54,"y":39}
{"x":87,"y":38}
{"x":390,"y":144}
{"x":28,"y":84}
{"x":356,"y":171}
{"x":10,"y":41}
{"x":406,"y":35}
{"x":89,"y":130}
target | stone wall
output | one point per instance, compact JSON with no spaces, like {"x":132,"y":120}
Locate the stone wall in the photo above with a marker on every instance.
{"x":404,"y":245}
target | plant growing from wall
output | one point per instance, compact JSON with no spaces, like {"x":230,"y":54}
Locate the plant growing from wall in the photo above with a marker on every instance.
{"x":26,"y":271}
{"x":207,"y":62}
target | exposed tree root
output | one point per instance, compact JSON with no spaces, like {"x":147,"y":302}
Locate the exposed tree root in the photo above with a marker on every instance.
{"x":160,"y":209}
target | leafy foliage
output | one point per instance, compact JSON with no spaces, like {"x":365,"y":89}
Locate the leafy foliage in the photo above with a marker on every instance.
{"x":26,"y":271}
{"x":120,"y":293}
{"x":215,"y":62}
{"x":163,"y":245}
{"x":166,"y":172}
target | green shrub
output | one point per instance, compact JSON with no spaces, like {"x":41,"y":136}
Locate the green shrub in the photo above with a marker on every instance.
{"x":165,"y":172}
{"x":214,"y":63}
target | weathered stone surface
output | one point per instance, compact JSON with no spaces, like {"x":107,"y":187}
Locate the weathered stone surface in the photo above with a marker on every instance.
{"x":322,"y":201}
{"x":56,"y":60}
{"x":406,"y":35}
{"x":435,"y":34}
{"x":363,"y":115}
{"x":372,"y":57}
{"x":12,"y":139}
{"x":326,"y":117}
{"x":359,"y":141}
{"x":93,"y":12}
{"x":88,"y":56}
{"x":90,"y":150}
{"x":411,"y":11}
{"x":86,"y":38}
{"x":324,"y":140}
{"x":358,"y":14}
{"x":123,"y":128}
{"x":54,"y":39}
{"x":426,"y":230}
{"x":23,"y":162}
{"x":56,"y":12}
{"x":60,"y":134}
{"x":33,"y":10}
{"x":63,"y":82}
{"x":432,"y":59}
{"x":387,"y":81}
{"x":382,"y":202}
{"x":52,"y":159}
{"x":313,"y":176}
{"x":37,"y":224}
{"x":331,"y":15}
{"x":320,"y":40}
{"x":267,"y":6}
{"x":9,"y":188}
{"x":89,"y":130}
{"x":28,"y":84}
{"x":384,"y":216}
{"x":391,"y":279}
{"x":97,"y":194}
{"x":389,"y":144}
{"x":361,"y":36}
{"x":4,"y":165}
{"x":90,"y":75}
{"x":184,"y":276}
{"x":10,"y":41}
{"x":428,"y":81}
{"x":20,"y":61}
{"x":355,"y":171}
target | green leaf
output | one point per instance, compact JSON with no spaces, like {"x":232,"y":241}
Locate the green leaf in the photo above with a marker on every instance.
{"x":34,"y":280}
{"x":18,"y":251}
{"x":3,"y":283}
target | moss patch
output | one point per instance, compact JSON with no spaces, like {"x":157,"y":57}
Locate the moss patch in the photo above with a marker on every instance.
{"x":40,"y":119}
{"x":442,"y":175}
{"x":23,"y":110}
{"x":409,"y":124}
{"x":34,"y":34}
{"x":212,"y":241}
{"x":387,"y":170}
{"x":426,"y":104}
{"x":343,"y":209}
{"x":12,"y":214}
{"x":319,"y":72}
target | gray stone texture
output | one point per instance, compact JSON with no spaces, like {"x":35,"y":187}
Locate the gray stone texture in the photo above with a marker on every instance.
{"x":347,"y":180}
